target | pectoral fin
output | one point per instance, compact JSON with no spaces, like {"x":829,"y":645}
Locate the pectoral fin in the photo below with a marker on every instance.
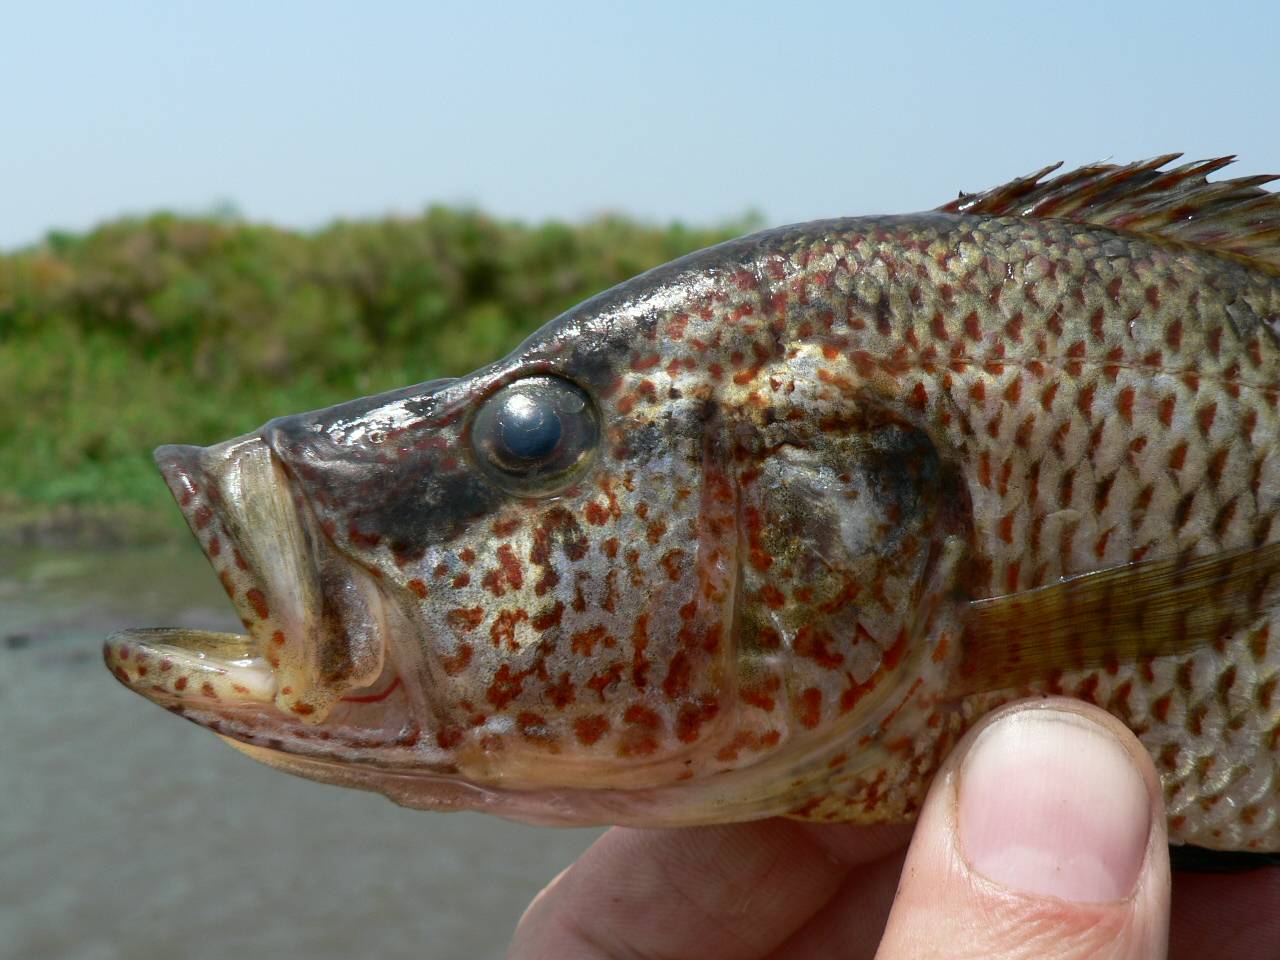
{"x":1122,"y":614}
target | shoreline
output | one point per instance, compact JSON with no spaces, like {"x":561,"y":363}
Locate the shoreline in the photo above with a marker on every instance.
{"x":78,"y":526}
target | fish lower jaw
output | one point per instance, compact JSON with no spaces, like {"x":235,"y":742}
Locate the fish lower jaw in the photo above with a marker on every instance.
{"x":221,"y":682}
{"x":174,"y":666}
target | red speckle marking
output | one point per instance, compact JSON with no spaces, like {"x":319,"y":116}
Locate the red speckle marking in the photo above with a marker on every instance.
{"x":1161,"y":708}
{"x":504,"y":627}
{"x":258,"y":602}
{"x":1084,"y":401}
{"x":814,"y":644}
{"x":364,"y":541}
{"x":692,"y":716}
{"x":506,"y":686}
{"x":455,"y":664}
{"x":676,"y":682}
{"x":561,"y":693}
{"x":511,"y":568}
{"x":1006,"y":528}
{"x":584,"y":642}
{"x":647,"y":362}
{"x":1124,"y":404}
{"x":1100,"y":547}
{"x":465,"y":619}
{"x":1205,"y":416}
{"x":893,"y":655}
{"x":448,"y":737}
{"x":810,"y":707}
{"x":772,"y":596}
{"x":548,"y":618}
{"x":1046,"y":396}
{"x":919,"y":399}
{"x":591,"y":728}
{"x":938,"y":326}
{"x":504,"y":528}
{"x":671,"y":561}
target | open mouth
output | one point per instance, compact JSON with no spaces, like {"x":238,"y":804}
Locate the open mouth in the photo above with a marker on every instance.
{"x":309,"y":675}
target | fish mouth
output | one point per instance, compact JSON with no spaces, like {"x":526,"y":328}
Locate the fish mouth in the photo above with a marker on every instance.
{"x":310,"y":675}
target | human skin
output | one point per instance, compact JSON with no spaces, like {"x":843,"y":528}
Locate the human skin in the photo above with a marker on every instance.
{"x":1043,"y":836}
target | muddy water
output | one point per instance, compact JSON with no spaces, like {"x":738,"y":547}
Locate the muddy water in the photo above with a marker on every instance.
{"x":127,"y":832}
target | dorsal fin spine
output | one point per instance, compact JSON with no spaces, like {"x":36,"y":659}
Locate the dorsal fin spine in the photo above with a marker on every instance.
{"x":1236,"y":216}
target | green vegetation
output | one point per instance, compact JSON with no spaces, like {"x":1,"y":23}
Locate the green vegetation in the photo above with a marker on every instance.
{"x":194,"y":330}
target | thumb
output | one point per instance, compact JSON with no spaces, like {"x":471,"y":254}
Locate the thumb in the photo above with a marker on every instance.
{"x":1043,"y":836}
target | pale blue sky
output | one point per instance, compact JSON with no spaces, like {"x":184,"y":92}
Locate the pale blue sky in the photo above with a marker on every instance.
{"x":298,"y":113}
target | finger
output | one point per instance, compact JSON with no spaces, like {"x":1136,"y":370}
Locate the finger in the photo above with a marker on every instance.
{"x":1043,"y":836}
{"x":1235,"y":916}
{"x":732,"y":892}
{"x":849,"y":925}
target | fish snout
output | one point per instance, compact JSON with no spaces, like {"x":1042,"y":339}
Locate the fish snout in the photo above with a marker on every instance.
{"x":179,"y":464}
{"x":315,"y":619}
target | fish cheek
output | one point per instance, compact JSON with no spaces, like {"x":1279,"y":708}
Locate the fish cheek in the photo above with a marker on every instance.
{"x":852,"y":528}
{"x":582,"y":640}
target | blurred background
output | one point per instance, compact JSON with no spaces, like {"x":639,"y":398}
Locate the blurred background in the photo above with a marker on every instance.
{"x":214,"y":214}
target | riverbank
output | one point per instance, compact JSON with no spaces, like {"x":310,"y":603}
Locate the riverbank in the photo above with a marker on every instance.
{"x":129,"y":833}
{"x":68,"y":526}
{"x":185,"y":330}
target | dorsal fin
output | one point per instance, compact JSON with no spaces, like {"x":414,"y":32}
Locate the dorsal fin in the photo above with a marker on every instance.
{"x":1232,"y":216}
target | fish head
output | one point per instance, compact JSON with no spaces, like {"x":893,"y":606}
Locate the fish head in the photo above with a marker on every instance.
{"x":542,"y":590}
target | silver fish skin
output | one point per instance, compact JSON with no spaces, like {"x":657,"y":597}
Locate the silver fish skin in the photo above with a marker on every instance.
{"x":765,"y":530}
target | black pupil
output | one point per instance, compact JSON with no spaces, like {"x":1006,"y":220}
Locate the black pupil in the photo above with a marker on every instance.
{"x":529,"y":430}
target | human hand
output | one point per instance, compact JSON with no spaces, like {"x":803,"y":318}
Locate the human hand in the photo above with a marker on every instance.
{"x":1043,"y":836}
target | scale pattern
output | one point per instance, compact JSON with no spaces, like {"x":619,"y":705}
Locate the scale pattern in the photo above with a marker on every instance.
{"x":818,"y":445}
{"x":1111,"y":399}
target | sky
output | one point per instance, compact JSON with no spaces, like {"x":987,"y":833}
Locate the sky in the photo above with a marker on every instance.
{"x":300,"y":113}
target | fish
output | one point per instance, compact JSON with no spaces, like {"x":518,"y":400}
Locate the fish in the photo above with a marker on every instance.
{"x":765,"y":530}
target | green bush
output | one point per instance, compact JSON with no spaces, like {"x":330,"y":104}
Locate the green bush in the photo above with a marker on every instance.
{"x":194,"y":330}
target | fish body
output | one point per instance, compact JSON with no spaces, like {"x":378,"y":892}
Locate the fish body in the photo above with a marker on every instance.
{"x":764,"y":530}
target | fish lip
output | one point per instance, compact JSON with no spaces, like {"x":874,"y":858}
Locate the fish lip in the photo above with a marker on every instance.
{"x":275,"y":564}
{"x":273,"y":575}
{"x":170,"y":666}
{"x":223,"y":686}
{"x":200,"y":500}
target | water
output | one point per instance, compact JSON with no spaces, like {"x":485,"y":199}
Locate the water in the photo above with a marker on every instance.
{"x":128,"y":832}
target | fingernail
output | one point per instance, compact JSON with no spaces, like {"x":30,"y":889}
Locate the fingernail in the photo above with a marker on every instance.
{"x":1051,"y":803}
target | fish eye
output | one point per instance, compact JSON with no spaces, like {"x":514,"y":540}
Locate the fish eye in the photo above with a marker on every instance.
{"x":535,"y":436}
